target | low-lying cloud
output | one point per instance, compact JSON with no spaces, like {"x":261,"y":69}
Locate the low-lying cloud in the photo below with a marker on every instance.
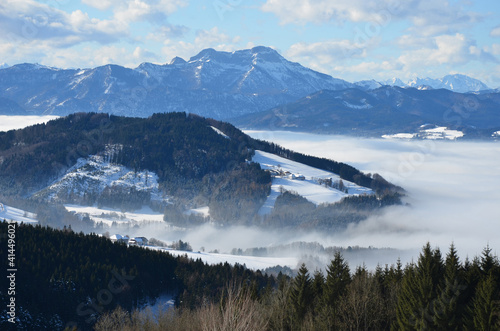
{"x":453,"y":189}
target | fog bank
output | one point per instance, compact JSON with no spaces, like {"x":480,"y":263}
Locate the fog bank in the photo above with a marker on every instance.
{"x":453,"y":189}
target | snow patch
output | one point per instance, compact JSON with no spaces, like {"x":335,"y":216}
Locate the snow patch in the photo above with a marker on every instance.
{"x":203,"y":211}
{"x":220,"y":132}
{"x":17,"y":215}
{"x":365,"y":105}
{"x":108,"y":216}
{"x":434,"y":133}
{"x":251,"y":262}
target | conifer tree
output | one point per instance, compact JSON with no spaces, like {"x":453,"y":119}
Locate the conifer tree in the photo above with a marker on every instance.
{"x":318,"y":284}
{"x":485,"y":309}
{"x":419,"y":291}
{"x":337,"y":278}
{"x":447,"y":312}
{"x":301,"y":293}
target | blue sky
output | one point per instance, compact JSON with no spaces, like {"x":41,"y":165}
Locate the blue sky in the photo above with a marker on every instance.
{"x":348,"y":39}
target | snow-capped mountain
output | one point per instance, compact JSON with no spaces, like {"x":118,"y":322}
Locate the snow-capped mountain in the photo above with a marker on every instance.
{"x":213,"y":84}
{"x":368,"y":84}
{"x":394,"y":82}
{"x":456,"y":83}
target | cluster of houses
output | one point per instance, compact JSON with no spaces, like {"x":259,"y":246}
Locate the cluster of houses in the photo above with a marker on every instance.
{"x":135,"y":241}
{"x":286,"y":174}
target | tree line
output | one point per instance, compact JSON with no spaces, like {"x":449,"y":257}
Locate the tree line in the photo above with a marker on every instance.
{"x":434,"y":293}
{"x":67,"y":280}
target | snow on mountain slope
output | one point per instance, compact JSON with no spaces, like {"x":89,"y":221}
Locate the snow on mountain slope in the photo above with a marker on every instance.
{"x":108,"y":216}
{"x":303,"y":179}
{"x":17,"y":215}
{"x":92,"y":175}
{"x":456,"y":83}
{"x":212,"y":84}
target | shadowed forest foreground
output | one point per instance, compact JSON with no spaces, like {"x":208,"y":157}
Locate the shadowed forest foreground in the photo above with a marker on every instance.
{"x":435,"y":293}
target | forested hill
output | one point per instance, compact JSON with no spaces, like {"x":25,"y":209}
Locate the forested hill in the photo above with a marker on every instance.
{"x":67,"y":279}
{"x":194,"y":159}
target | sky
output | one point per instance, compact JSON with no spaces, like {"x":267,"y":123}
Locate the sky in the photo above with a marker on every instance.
{"x":349,"y":39}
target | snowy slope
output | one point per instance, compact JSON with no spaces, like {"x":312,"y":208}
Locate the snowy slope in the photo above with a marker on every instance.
{"x":251,"y":262}
{"x":16,"y":215}
{"x":309,"y":188}
{"x":92,"y":175}
{"x":107,"y":216}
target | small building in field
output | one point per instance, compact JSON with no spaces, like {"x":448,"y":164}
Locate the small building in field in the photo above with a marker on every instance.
{"x":117,"y":238}
{"x":138,"y":241}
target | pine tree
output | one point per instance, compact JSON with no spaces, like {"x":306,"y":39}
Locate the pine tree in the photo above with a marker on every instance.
{"x":318,"y":284}
{"x":485,"y":309}
{"x":448,"y":307}
{"x":301,"y":294}
{"x":337,"y":278}
{"x":419,"y":291}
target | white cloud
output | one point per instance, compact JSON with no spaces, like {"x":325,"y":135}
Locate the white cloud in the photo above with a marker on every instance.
{"x":25,"y":21}
{"x":446,"y":50}
{"x":153,"y":11}
{"x":495,"y":32}
{"x":167,"y":31}
{"x":212,"y":38}
{"x":326,"y":56}
{"x":100,"y":4}
{"x":87,"y":56}
{"x":428,"y":17}
{"x":319,"y":11}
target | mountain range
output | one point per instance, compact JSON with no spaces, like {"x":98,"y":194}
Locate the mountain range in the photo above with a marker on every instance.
{"x":383,"y":111}
{"x":242,"y":86}
{"x":214,"y":84}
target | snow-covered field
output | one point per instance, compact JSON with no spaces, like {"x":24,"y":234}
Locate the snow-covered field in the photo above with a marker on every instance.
{"x":18,"y":122}
{"x":17,"y":215}
{"x":308,"y":187}
{"x":434,"y":133}
{"x":108,"y":215}
{"x":251,"y":262}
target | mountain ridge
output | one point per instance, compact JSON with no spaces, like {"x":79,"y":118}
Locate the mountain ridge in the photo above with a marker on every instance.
{"x":212,"y":84}
{"x":387,"y":110}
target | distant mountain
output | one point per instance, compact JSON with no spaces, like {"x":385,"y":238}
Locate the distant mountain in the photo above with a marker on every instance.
{"x":213,"y":84}
{"x":456,"y":83}
{"x":368,"y":84}
{"x":4,"y":65}
{"x":386,"y":110}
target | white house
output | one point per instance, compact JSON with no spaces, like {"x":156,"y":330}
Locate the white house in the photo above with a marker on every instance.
{"x":117,"y":238}
{"x":139,"y":241}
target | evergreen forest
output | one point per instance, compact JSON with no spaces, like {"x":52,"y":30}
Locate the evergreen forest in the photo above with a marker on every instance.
{"x":72,"y":281}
